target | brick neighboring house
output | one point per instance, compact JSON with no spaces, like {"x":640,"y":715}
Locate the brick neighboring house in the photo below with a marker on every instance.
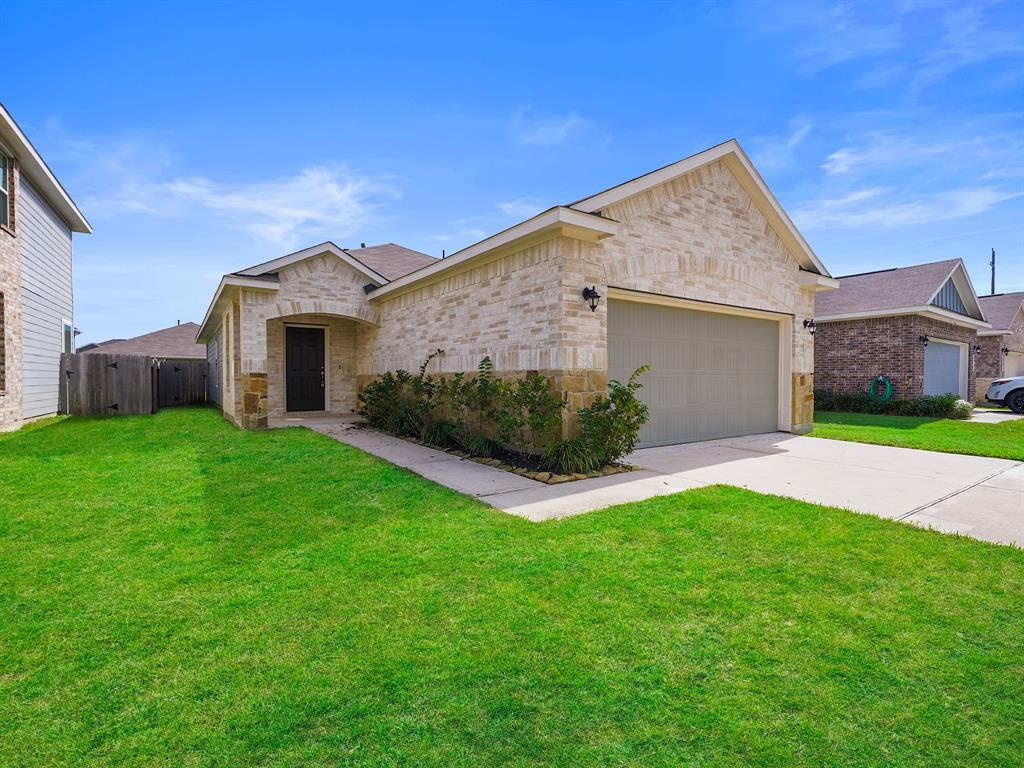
{"x":1001,"y":352}
{"x":37,"y":218}
{"x":917,"y":325}
{"x":698,"y":270}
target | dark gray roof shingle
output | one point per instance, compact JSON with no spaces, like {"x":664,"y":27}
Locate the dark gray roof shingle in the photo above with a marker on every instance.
{"x":390,"y":260}
{"x":887,"y":289}
{"x":178,"y":341}
{"x":1001,"y":309}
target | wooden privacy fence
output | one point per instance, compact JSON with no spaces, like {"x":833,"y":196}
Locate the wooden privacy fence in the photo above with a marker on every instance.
{"x":101,"y":384}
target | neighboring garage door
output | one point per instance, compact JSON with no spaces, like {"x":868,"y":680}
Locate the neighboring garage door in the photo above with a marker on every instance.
{"x":942,"y":368}
{"x":712,"y":375}
{"x":1015,"y":364}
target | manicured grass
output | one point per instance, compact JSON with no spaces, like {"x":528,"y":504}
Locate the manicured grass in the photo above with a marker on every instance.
{"x":1003,"y":441}
{"x":175,"y":592}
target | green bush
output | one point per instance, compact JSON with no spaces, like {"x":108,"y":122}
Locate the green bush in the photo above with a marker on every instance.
{"x":611,"y":426}
{"x":570,"y":457}
{"x":483,"y":415}
{"x":933,"y":406}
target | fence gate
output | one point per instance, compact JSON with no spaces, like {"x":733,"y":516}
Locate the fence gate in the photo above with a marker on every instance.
{"x":98,"y":384}
{"x":181,"y":382}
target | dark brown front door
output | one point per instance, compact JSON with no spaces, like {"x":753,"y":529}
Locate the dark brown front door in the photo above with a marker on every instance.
{"x":304,"y":369}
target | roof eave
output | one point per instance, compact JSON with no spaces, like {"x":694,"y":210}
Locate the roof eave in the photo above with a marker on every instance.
{"x":560,"y":220}
{"x":931,"y":311}
{"x":227,"y":285}
{"x":32,"y":165}
{"x":732,"y":154}
{"x":307,"y":253}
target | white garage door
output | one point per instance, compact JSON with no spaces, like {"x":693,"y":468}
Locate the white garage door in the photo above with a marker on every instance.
{"x":942,"y":368}
{"x":712,"y":375}
{"x":1015,"y":364}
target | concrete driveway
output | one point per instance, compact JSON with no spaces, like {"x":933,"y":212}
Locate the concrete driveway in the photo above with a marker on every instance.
{"x":978,"y":497}
{"x":975,"y":496}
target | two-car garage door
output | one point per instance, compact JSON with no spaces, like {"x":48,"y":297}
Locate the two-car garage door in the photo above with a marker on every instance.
{"x":712,"y":374}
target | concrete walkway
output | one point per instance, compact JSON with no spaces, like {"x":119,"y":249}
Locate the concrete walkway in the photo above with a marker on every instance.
{"x":989,"y":416}
{"x":971,"y":495}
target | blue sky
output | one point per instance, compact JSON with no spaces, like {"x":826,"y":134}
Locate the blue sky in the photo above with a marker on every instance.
{"x":203,"y":138}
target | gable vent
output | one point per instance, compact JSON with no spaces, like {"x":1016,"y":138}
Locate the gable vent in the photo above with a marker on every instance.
{"x":949,"y":298}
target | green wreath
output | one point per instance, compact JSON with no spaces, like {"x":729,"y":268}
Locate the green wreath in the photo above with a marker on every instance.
{"x":886,"y":394}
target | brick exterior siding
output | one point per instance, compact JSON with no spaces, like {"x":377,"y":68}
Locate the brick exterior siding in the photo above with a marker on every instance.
{"x":849,"y":353}
{"x":991,"y":360}
{"x":10,"y":317}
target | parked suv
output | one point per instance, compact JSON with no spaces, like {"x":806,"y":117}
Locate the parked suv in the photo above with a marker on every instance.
{"x":1009,"y":392}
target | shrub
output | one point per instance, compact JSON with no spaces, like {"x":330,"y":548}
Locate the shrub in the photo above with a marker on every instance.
{"x":934,"y":406}
{"x":528,"y":415}
{"x":570,"y":457}
{"x":483,"y":415}
{"x":610,"y":427}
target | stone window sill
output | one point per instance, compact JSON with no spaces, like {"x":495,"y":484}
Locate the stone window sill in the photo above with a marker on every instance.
{"x":8,"y":230}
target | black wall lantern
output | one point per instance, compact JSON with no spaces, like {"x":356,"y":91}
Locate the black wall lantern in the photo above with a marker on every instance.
{"x":977,"y":347}
{"x":810,"y":325}
{"x":591,"y":295}
{"x":1005,"y":351}
{"x":923,"y":340}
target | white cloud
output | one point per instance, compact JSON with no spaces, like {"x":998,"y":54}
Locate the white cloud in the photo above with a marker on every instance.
{"x":881,"y":207}
{"x":547,"y":130}
{"x":315,"y":201}
{"x":884,"y":148}
{"x":777,"y":151}
{"x":521,"y":208}
{"x":967,"y":41}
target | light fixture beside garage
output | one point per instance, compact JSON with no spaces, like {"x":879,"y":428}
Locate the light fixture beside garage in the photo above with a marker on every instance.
{"x":810,"y":325}
{"x":1005,"y":351}
{"x":923,"y":340}
{"x":591,"y":295}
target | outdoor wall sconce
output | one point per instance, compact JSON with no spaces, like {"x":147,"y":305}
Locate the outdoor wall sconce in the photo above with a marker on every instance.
{"x":1005,"y":351}
{"x":923,"y":340}
{"x":977,"y":347}
{"x":810,"y":325}
{"x":591,"y":295}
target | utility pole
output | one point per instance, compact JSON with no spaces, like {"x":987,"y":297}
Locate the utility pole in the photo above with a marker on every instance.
{"x":993,"y":265}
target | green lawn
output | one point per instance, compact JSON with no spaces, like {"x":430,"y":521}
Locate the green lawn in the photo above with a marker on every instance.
{"x":1004,"y":441}
{"x":175,"y":592}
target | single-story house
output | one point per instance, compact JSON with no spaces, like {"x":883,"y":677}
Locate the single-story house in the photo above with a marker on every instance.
{"x":175,"y":343}
{"x":694,"y":269}
{"x":916,"y":325}
{"x":1001,"y":347}
{"x":37,"y":313}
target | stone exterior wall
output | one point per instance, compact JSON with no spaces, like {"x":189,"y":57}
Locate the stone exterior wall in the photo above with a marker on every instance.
{"x":696,"y":237}
{"x":340,"y":360}
{"x":849,"y":353}
{"x":10,"y":319}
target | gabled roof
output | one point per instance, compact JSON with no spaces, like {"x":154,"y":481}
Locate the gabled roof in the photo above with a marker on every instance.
{"x":35,"y":169}
{"x":902,"y":290}
{"x":379,"y":263}
{"x":588,"y":219}
{"x":732,"y":154}
{"x":178,"y":341}
{"x":1001,"y":308}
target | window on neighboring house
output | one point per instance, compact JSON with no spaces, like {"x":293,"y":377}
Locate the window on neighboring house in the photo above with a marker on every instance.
{"x":68,"y":345}
{"x":5,"y":190}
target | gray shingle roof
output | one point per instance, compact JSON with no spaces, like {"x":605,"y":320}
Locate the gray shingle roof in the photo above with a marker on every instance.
{"x":390,"y":260}
{"x":178,"y":341}
{"x":1001,"y":309}
{"x":887,"y":289}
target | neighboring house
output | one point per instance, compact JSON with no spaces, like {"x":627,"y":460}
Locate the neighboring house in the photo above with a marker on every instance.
{"x":700,"y":273}
{"x":37,"y":317}
{"x":1001,"y":348}
{"x":175,"y":343}
{"x":917,"y":325}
